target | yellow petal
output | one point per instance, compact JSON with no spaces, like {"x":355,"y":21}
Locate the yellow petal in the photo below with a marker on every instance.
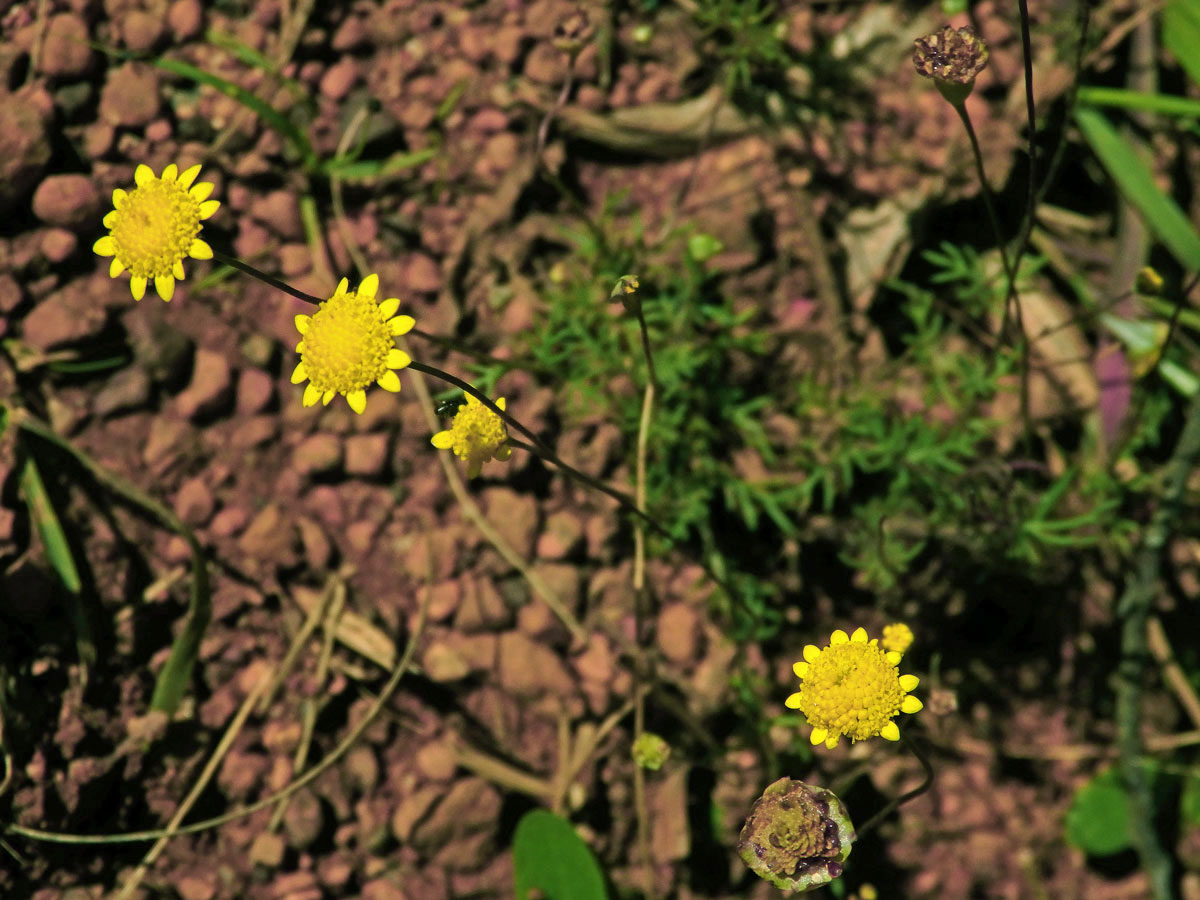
{"x":110,"y":218}
{"x":177,"y":270}
{"x":137,"y":287}
{"x":208,"y":208}
{"x":792,"y":702}
{"x":838,"y":637}
{"x":302,"y":322}
{"x":119,"y":197}
{"x":326,"y":397}
{"x":500,"y":403}
{"x":389,"y":381}
{"x":911,"y":704}
{"x":311,"y":394}
{"x":397,"y":359}
{"x":800,"y":668}
{"x":143,"y":174}
{"x":402,"y":324}
{"x":908,"y":683}
{"x":200,"y":250}
{"x":105,"y":246}
{"x":832,"y":741}
{"x":890,"y":732}
{"x":201,"y":191}
{"x":170,"y":173}
{"x":188,"y":176}
{"x":299,"y":373}
{"x":165,"y":285}
{"x":341,"y":288}
{"x":443,"y":440}
{"x":818,"y":736}
{"x":115,"y":268}
{"x":894,"y":657}
{"x":859,"y":636}
{"x":811,"y":652}
{"x":357,"y":400}
{"x":369,"y":286}
{"x":388,"y":307}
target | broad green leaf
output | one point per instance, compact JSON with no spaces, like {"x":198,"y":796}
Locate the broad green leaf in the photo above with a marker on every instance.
{"x":1098,"y":820}
{"x":1136,"y":182}
{"x":551,"y":859}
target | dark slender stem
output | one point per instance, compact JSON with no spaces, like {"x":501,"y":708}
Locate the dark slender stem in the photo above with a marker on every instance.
{"x":262,"y":276}
{"x":897,"y":802}
{"x":1030,"y":111}
{"x":1012,"y":299}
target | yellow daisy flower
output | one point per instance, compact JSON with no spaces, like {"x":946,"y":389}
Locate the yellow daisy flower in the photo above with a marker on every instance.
{"x":349,"y":343}
{"x":897,"y":636}
{"x":477,"y":434}
{"x":852,"y":687}
{"x":153,"y":227}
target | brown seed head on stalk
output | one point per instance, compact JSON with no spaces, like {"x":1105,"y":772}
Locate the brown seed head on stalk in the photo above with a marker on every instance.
{"x":797,"y":836}
{"x":952,"y":58}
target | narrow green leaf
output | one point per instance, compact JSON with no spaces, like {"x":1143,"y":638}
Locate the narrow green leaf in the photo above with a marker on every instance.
{"x":270,"y":116}
{"x":1119,"y":98}
{"x":1136,"y":182}
{"x":551,"y":859}
{"x":58,"y":551}
{"x":1181,"y":34}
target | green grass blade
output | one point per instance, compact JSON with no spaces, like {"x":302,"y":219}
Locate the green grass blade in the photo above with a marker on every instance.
{"x":364,"y":170}
{"x":172,"y":682}
{"x":270,"y":116}
{"x":1136,"y":182}
{"x":1181,"y":34}
{"x":246,"y":54}
{"x":58,"y":552}
{"x":1162,"y":104}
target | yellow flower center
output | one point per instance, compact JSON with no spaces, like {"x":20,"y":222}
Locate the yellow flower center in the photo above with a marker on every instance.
{"x":477,"y":431}
{"x":851,"y":688}
{"x":346,"y":346}
{"x":155,"y":227}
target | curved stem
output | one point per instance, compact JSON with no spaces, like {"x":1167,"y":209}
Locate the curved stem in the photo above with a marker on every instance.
{"x":262,"y":276}
{"x":897,"y":802}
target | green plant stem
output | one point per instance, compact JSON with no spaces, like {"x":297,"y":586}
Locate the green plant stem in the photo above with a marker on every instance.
{"x":1134,"y":610}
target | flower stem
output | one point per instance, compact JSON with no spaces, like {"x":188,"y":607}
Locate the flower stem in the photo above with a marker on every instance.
{"x":897,"y":802}
{"x":262,"y":276}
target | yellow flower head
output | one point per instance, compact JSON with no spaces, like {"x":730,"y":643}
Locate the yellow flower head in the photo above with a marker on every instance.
{"x":348,"y":343}
{"x":897,"y":636}
{"x":852,"y":687}
{"x":477,"y":434}
{"x":153,"y":227}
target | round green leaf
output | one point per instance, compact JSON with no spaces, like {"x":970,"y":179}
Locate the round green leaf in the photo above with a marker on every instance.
{"x":550,"y":857}
{"x":1098,"y":820}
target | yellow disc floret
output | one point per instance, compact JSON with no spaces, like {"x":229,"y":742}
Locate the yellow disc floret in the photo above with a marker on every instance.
{"x":349,"y":344}
{"x":477,"y":434}
{"x":852,"y":687}
{"x":152,"y":228}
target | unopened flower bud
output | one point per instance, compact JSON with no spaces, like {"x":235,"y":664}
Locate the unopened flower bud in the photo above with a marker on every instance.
{"x":650,"y":751}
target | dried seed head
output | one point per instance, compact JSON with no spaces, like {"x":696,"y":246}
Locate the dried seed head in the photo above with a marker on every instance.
{"x":952,"y":58}
{"x":797,"y":836}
